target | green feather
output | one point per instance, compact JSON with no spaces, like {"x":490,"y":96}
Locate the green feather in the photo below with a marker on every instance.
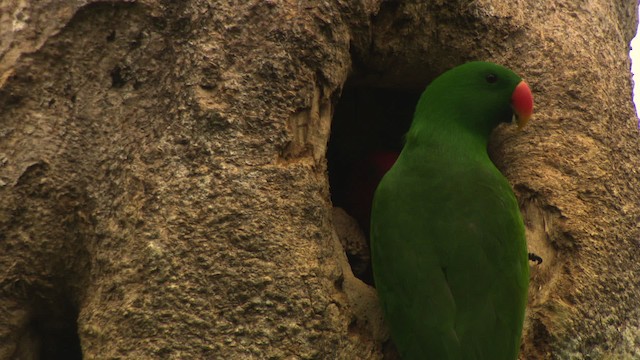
{"x":448,"y":245}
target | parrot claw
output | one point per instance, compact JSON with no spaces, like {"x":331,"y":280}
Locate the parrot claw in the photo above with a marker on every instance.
{"x":536,"y":258}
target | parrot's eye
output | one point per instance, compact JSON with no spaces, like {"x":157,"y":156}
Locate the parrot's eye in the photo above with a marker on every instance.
{"x":491,"y":78}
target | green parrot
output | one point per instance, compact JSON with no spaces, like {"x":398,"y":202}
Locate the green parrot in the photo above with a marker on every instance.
{"x":449,"y":254}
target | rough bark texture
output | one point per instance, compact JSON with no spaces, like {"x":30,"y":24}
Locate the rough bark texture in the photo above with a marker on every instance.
{"x":163,"y":178}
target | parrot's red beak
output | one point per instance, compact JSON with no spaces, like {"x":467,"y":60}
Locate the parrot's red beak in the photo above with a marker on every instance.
{"x":522,"y":103}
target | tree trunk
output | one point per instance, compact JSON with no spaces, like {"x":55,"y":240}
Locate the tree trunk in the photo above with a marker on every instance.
{"x":163,"y":173}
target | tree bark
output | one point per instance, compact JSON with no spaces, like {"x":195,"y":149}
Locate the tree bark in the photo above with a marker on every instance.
{"x":164,"y":188}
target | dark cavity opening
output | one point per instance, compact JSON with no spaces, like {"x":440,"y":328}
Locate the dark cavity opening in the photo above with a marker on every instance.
{"x":367,"y":134}
{"x":52,"y":332}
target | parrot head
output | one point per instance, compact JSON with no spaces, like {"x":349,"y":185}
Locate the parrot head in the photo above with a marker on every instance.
{"x":480,"y":96}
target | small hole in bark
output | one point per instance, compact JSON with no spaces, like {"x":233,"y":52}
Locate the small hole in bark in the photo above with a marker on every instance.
{"x":117,"y":80}
{"x":367,"y":133}
{"x":112,"y":36}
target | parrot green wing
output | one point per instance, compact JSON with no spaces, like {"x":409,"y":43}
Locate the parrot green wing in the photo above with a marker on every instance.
{"x":448,"y":244}
{"x":455,"y":277}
